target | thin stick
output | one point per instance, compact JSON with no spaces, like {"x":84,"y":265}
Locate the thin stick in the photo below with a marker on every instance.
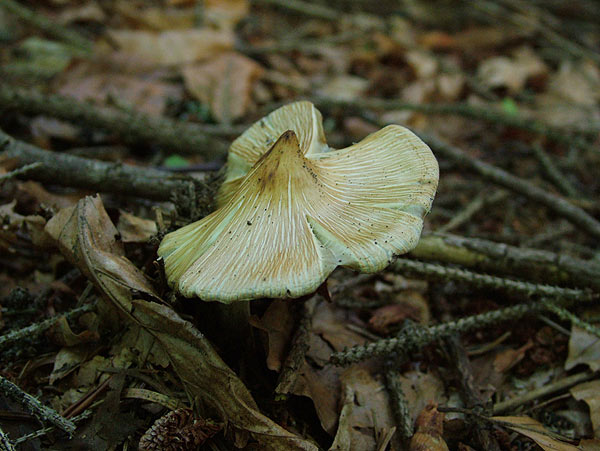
{"x":489,"y":256}
{"x":555,"y":203}
{"x":41,"y":411}
{"x":527,"y":289}
{"x":306,"y":8}
{"x":38,"y":328}
{"x":70,"y":170}
{"x":546,"y":390}
{"x":417,"y":338}
{"x":132,"y":127}
{"x":482,"y":200}
{"x":5,"y":443}
{"x":22,"y":170}
{"x":46,"y":430}
{"x":565,"y":315}
{"x":48,"y":26}
{"x":488,"y":113}
{"x":553,"y":173}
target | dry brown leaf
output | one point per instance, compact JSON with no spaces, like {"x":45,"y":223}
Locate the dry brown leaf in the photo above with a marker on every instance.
{"x":147,"y":96}
{"x":87,"y":238}
{"x":573,"y":92}
{"x":62,"y":334}
{"x":584,"y":347}
{"x":87,"y":12}
{"x":156,"y":18}
{"x":407,"y":305}
{"x":225,"y":14}
{"x":536,"y":432}
{"x":344,"y":87}
{"x":590,"y":393}
{"x":172,"y":47}
{"x":319,"y":380}
{"x":589,"y":445}
{"x":420,"y":389}
{"x":278,"y":322}
{"x":134,"y":229}
{"x":331,"y":324}
{"x":224,"y":83}
{"x":511,"y":72}
{"x":365,"y":412}
{"x":508,"y":358}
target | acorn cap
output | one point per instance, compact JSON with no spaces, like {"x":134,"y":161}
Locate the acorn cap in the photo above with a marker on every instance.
{"x":291,"y":210}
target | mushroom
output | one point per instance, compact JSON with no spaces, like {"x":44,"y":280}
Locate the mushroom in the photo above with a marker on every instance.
{"x":291,"y":210}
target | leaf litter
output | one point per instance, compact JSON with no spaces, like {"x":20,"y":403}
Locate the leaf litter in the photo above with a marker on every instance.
{"x":142,"y":355}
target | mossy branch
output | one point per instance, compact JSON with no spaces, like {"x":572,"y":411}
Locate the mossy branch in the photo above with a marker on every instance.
{"x":69,"y":170}
{"x":531,"y":264}
{"x":501,"y":177}
{"x":415,"y":338}
{"x":48,"y":26}
{"x":439,"y":272}
{"x":41,"y":411}
{"x":38,"y":328}
{"x":131,"y":127}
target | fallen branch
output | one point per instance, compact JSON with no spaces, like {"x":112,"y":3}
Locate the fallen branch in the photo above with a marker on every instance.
{"x":22,"y":170}
{"x":48,"y":26}
{"x":73,"y":171}
{"x":546,"y":390}
{"x":37,"y":328}
{"x":41,"y":411}
{"x":5,"y":443}
{"x":413,"y":339}
{"x":489,"y":114}
{"x":131,"y":127}
{"x":519,"y":287}
{"x":531,"y":264}
{"x":501,"y":177}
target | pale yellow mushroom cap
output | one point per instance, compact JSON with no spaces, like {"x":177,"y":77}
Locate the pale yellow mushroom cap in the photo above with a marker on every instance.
{"x":291,"y":209}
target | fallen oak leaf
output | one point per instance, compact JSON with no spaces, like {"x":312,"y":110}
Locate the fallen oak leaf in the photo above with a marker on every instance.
{"x":533,"y":429}
{"x":88,"y":238}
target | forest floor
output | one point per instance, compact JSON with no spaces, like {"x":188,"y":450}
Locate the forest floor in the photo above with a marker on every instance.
{"x":115,"y":121}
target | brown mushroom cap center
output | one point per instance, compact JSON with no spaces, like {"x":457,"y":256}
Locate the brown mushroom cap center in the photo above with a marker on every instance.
{"x":279,"y":167}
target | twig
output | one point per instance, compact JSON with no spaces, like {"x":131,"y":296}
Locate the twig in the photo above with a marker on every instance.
{"x":289,"y":370}
{"x":132,"y":127}
{"x":553,"y":173}
{"x":38,"y":328}
{"x":48,"y":26}
{"x":565,"y":315}
{"x":458,"y":359}
{"x":546,"y":390}
{"x":488,"y":113}
{"x":5,"y":443}
{"x":46,"y":430}
{"x":37,"y":408}
{"x":417,"y":338}
{"x":399,"y":403}
{"x":555,"y":203}
{"x":524,"y":19}
{"x":302,"y":45}
{"x":527,"y":289}
{"x":472,"y":208}
{"x":531,"y":264}
{"x":69,"y":170}
{"x":22,"y":170}
{"x":306,"y":8}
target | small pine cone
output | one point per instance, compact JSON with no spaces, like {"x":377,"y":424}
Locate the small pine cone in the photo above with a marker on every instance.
{"x":178,"y":431}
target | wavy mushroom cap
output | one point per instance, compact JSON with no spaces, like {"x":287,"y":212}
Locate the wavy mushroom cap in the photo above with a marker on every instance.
{"x":291,"y":210}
